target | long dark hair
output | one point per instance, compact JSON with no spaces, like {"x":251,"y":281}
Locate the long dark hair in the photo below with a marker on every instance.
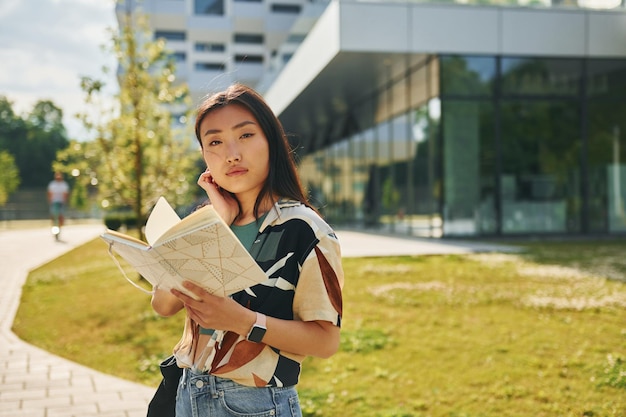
{"x":282,"y":179}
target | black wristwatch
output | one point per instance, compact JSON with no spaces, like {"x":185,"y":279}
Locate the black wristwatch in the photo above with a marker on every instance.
{"x":258,"y":329}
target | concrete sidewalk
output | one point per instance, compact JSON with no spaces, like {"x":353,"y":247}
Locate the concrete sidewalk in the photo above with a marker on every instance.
{"x":360,"y":244}
{"x":35,"y":383}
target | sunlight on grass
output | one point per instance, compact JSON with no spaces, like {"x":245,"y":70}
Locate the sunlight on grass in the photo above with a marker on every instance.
{"x":542,"y":333}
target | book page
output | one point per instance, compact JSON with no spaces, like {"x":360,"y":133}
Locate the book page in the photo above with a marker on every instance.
{"x":147,"y":262}
{"x":114,"y":236}
{"x":200,"y":218}
{"x":213,"y":258}
{"x":161,"y":219}
{"x":200,"y":248}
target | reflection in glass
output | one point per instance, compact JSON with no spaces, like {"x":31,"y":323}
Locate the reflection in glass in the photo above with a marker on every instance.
{"x":607,"y":167}
{"x":545,"y":76}
{"x":424,"y":213}
{"x":465,"y":75}
{"x":481,"y":160}
{"x":469,"y":191}
{"x":540,"y":167}
{"x":606,"y":78}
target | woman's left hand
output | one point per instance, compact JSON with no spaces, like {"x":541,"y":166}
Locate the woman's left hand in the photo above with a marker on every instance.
{"x":213,"y":312}
{"x":315,"y":338}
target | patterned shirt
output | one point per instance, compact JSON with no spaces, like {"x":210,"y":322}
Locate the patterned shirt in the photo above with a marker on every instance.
{"x":301,"y":256}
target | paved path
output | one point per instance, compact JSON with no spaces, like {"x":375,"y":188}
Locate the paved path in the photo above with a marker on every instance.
{"x":35,"y":383}
{"x":358,"y":244}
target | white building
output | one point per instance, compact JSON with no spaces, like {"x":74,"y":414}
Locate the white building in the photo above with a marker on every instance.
{"x":217,"y":42}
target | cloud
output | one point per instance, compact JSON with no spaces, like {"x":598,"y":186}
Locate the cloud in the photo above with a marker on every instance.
{"x":8,"y":6}
{"x":44,"y":54}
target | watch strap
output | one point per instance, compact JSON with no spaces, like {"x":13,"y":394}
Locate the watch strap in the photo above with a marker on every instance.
{"x":258,"y":329}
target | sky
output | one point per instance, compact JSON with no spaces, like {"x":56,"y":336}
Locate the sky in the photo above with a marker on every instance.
{"x":46,"y":46}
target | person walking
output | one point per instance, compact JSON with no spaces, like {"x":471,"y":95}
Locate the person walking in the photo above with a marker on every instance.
{"x":58,"y":192}
{"x":242,"y":355}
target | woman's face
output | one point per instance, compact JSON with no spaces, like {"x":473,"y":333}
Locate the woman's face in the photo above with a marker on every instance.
{"x":235,"y":150}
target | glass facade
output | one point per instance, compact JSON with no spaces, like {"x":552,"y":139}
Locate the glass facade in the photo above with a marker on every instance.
{"x":483,"y":145}
{"x":605,"y":152}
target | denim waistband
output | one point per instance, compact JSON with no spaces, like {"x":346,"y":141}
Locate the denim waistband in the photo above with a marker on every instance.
{"x":200,"y":380}
{"x":204,"y":395}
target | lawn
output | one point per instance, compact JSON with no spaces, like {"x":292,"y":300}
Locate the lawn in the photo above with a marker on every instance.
{"x":540,"y":333}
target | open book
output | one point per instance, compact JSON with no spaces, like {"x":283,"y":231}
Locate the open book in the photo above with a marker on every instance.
{"x":200,"y":248}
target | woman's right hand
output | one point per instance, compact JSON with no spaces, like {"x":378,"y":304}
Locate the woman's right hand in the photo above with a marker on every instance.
{"x":224,"y":203}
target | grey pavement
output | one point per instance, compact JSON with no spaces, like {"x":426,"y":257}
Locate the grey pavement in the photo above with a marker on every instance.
{"x":36,"y":383}
{"x":360,"y":244}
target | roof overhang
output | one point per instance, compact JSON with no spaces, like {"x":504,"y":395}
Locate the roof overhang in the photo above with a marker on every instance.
{"x":356,"y":47}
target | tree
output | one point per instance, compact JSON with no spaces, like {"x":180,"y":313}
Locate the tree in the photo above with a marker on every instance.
{"x":138,"y":155}
{"x":33,"y":142}
{"x":9,"y":176}
{"x":47,"y":117}
{"x":11,"y":126}
{"x":46,"y":136}
{"x":79,"y":162}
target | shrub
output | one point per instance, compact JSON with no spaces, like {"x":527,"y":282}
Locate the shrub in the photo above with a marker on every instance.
{"x":114,"y":221}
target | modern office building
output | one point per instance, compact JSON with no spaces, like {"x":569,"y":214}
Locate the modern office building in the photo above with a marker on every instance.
{"x":443,"y":119}
{"x":217,"y":42}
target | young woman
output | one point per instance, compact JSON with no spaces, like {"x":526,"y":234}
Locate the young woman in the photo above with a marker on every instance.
{"x":250,"y":364}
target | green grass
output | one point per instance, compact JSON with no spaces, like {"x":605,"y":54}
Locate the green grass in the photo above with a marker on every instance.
{"x":542,"y":333}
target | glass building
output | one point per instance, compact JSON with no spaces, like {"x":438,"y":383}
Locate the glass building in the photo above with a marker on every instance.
{"x":430,"y":118}
{"x":452,"y":120}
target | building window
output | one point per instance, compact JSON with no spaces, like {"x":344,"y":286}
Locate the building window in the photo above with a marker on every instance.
{"x":209,"y":66}
{"x":607,"y":78}
{"x":250,"y":38}
{"x":467,"y":75}
{"x":249,"y":59}
{"x":540,"y":174}
{"x":606,"y":148}
{"x":179,"y":56}
{"x":210,"y":7}
{"x":170,"y":35}
{"x":296,"y":38}
{"x":286,"y":8}
{"x":527,"y":76}
{"x":209,"y":47}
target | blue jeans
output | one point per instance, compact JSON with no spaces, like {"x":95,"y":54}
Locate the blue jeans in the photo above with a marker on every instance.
{"x":202,"y":395}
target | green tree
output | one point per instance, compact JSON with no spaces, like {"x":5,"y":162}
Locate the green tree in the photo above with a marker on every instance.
{"x":11,"y":126}
{"x":9,"y":176}
{"x":47,"y":117}
{"x":9,"y":121}
{"x":33,"y":141}
{"x":46,"y":136}
{"x":138,"y":154}
{"x":79,"y":162}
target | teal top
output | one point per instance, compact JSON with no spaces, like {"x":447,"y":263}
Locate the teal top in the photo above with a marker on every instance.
{"x":246,"y":234}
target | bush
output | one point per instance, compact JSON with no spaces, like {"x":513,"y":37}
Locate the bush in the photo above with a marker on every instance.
{"x":114,"y":221}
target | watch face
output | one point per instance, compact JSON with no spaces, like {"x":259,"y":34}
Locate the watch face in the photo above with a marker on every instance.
{"x":256,"y":334}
